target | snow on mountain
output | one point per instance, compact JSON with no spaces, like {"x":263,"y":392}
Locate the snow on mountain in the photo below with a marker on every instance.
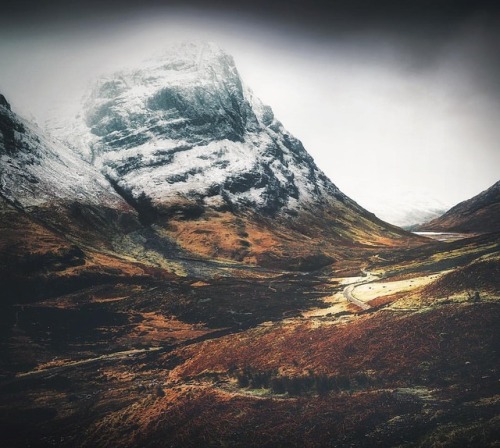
{"x":36,"y":170}
{"x":184,"y":127}
{"x":209,"y":167}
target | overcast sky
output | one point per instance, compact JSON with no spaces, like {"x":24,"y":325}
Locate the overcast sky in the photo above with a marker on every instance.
{"x":397,"y":104}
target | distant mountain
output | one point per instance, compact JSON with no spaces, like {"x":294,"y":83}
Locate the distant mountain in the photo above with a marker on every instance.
{"x":407,"y":209}
{"x":196,"y":153}
{"x":480,"y":214}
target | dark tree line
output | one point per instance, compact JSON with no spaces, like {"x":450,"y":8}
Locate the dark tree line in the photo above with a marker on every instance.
{"x":320,"y":384}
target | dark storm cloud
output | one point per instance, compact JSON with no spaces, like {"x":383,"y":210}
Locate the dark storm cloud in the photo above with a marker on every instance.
{"x":311,"y":13}
{"x":422,"y":25}
{"x":420,"y":34}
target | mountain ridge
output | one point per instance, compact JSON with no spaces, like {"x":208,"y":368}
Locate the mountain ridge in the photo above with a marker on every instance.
{"x":480,"y":214}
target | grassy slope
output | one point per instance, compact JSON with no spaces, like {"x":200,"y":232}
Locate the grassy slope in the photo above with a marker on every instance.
{"x":37,"y":260}
{"x":478,"y":214}
{"x":392,"y":377}
{"x":414,"y":377}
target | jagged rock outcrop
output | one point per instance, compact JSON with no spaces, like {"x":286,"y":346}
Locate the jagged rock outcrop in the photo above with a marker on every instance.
{"x":4,"y":102}
{"x":183,"y":127}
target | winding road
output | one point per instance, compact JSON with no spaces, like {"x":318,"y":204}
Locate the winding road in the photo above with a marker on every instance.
{"x":348,"y":291}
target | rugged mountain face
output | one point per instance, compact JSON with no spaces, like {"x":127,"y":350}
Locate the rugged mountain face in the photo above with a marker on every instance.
{"x":479,"y":214}
{"x":43,"y":177}
{"x":193,"y":150}
{"x":168,"y":162}
{"x":184,"y":128}
{"x":58,"y":216}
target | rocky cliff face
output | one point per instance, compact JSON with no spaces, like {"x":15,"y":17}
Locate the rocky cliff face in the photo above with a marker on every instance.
{"x":480,"y":214}
{"x":194,"y":151}
{"x":179,"y":159}
{"x":184,"y":128}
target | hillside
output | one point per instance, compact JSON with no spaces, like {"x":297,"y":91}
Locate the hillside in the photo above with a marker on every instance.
{"x":199,"y":156}
{"x":177,"y":271}
{"x":480,"y":214}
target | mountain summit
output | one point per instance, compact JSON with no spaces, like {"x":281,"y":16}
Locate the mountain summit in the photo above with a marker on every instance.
{"x":196,"y":153}
{"x":184,"y":128}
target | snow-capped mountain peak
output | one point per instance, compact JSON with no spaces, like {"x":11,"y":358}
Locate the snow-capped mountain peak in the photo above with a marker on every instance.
{"x":181,"y":144}
{"x":184,"y":127}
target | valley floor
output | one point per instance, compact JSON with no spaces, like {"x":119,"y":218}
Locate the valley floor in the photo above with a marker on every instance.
{"x":404,"y":353}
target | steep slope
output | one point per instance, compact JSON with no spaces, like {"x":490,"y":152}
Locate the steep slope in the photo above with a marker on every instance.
{"x":58,"y":216}
{"x":196,"y":153}
{"x":51,"y":182}
{"x":479,"y":214}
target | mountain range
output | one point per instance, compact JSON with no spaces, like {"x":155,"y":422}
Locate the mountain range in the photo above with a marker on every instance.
{"x":175,"y":270}
{"x":175,"y":159}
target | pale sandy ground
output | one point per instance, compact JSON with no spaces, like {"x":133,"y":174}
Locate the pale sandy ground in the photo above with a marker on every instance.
{"x":373,"y":290}
{"x":348,"y":280}
{"x":366,"y":292}
{"x":336,"y":302}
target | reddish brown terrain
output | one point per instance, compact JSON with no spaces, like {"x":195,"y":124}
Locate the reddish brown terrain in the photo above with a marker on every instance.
{"x":231,"y":361}
{"x":130,"y":324}
{"x":476,"y":215}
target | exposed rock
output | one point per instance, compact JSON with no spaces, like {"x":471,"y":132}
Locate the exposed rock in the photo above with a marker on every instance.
{"x":185,"y":126}
{"x":4,"y":102}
